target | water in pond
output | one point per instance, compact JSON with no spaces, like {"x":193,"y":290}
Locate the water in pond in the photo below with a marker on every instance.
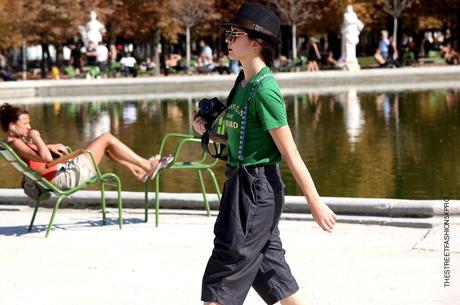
{"x":355,"y":144}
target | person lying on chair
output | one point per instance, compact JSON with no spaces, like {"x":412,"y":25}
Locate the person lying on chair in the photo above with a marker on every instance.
{"x":30,"y":146}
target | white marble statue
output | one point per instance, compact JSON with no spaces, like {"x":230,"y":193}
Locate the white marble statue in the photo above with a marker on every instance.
{"x":351,"y":28}
{"x":93,"y":30}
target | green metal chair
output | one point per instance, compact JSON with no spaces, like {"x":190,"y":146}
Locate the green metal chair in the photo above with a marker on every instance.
{"x":103,"y":178}
{"x":200,"y":165}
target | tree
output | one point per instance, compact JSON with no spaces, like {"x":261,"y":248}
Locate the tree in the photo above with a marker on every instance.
{"x":296,"y":13}
{"x":190,"y":13}
{"x":395,"y":8}
{"x":9,"y":35}
{"x":142,"y":20}
{"x":447,"y":12}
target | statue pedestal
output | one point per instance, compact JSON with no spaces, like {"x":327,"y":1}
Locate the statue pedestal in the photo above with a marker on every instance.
{"x":352,"y":66}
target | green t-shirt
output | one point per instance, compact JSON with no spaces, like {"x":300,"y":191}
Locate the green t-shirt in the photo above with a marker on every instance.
{"x":266,"y":110}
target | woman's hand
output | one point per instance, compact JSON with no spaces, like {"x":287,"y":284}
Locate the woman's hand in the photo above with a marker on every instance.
{"x":323,"y":215}
{"x":34,"y":135}
{"x":58,"y":149}
{"x":43,"y":150}
{"x":198,"y":124}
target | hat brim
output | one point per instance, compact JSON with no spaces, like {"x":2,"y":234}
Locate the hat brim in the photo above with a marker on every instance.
{"x":270,"y":38}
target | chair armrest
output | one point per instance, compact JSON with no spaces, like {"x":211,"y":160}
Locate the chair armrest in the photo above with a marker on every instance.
{"x":174,"y":135}
{"x":187,"y":140}
{"x":183,"y":139}
{"x":64,"y":158}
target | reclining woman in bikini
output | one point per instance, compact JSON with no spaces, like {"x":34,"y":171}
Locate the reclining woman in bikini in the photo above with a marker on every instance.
{"x":30,"y":146}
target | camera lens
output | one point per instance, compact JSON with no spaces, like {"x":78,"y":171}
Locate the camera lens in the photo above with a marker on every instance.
{"x":205,"y":106}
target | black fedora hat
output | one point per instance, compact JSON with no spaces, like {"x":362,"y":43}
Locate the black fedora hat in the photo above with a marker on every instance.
{"x":258,"y":19}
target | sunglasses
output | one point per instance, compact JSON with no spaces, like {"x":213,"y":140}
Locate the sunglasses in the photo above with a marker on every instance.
{"x":230,"y":35}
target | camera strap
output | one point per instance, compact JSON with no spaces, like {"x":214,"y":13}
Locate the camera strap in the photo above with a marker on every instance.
{"x":244,"y":121}
{"x":218,"y":147}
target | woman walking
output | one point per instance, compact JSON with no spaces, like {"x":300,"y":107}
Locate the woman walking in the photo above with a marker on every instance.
{"x":247,"y":247}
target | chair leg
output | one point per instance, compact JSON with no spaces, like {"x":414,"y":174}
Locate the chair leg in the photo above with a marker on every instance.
{"x":157,"y":200}
{"x":146,"y":200}
{"x":216,"y":185}
{"x":103,"y":205}
{"x":120,"y":204}
{"x":35,"y":214}
{"x":203,"y":189}
{"x":56,"y":207}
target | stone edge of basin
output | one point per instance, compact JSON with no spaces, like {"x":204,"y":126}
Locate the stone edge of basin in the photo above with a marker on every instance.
{"x":382,"y":207}
{"x":289,"y":82}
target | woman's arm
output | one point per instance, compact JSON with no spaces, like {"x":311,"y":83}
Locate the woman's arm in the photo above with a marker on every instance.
{"x":322,"y":214}
{"x":42,"y":154}
{"x":199,"y":126}
{"x":217,"y":137}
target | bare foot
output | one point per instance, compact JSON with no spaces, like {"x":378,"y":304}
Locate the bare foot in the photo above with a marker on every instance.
{"x":153,"y":160}
{"x":160,"y":164}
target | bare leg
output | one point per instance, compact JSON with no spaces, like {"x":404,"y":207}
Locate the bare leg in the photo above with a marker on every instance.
{"x":119,"y":151}
{"x":135,"y":170}
{"x":296,"y":299}
{"x":211,"y":303}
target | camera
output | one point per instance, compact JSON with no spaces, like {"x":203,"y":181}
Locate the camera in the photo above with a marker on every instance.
{"x":209,"y":110}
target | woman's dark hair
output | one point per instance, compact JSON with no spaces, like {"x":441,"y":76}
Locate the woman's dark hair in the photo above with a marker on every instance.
{"x":268,"y":56}
{"x":267,"y":49}
{"x":10,"y":114}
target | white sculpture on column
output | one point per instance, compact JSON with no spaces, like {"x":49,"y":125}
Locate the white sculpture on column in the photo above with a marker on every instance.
{"x":351,"y":28}
{"x":92,"y":31}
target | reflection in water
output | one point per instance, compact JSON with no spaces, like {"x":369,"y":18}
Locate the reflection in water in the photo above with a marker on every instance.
{"x":98,"y":125}
{"x":129,"y":113}
{"x":388,"y":105}
{"x":315,"y":107}
{"x":389,"y":144}
{"x":353,"y":116}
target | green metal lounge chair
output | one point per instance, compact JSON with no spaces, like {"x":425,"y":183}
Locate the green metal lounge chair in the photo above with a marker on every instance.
{"x":203,"y":164}
{"x":103,"y":178}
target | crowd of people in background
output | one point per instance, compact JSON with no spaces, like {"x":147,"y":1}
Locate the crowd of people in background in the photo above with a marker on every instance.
{"x":121,"y":60}
{"x":115,"y":59}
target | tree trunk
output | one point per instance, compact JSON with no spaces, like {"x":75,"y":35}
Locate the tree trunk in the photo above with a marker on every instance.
{"x":395,"y":31}
{"x":24,"y":59}
{"x":111,"y":32}
{"x":59,"y":55}
{"x":43,"y":63}
{"x":156,"y":52}
{"x":456,"y":32}
{"x":49,"y":60}
{"x":187,"y":46}
{"x":294,"y":41}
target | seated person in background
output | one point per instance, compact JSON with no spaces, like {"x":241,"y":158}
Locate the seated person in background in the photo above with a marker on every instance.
{"x":91,"y":54}
{"x":31,"y":147}
{"x":389,"y":58}
{"x":281,"y":62}
{"x":147,"y":65}
{"x":5,"y":72}
{"x":172,"y":61}
{"x":102,"y":56}
{"x":451,"y":56}
{"x":379,"y":57}
{"x":223,"y":63}
{"x":205,"y":62}
{"x":128,"y":65}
